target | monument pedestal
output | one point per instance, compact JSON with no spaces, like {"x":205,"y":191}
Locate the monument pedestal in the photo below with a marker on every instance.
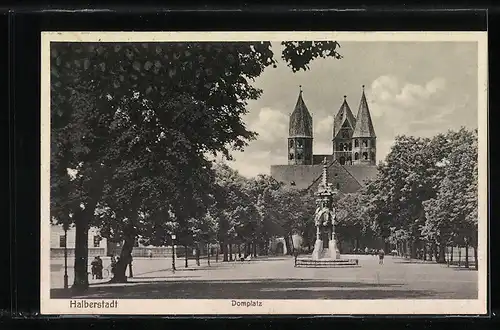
{"x":334,"y":251}
{"x":318,"y":249}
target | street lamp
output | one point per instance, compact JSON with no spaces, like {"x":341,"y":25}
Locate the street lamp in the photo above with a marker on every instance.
{"x":65,"y":227}
{"x":173,"y":253}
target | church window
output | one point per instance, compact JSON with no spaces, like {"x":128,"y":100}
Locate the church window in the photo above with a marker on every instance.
{"x":365,"y":155}
{"x":356,"y":143}
{"x":365,"y":143}
{"x":356,"y":156}
{"x":299,"y":155}
{"x":290,"y":156}
{"x":373,"y":156}
{"x":341,"y":146}
{"x":291,"y":143}
{"x":346,"y":147}
{"x":345,"y":134}
{"x":62,"y":241}
{"x":350,"y":146}
{"x":97,"y":241}
{"x":342,"y":160}
{"x":299,"y":144}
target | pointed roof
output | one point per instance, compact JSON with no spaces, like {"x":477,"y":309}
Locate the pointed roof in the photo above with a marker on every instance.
{"x":300,"y":120}
{"x":364,"y":125}
{"x":344,"y":114}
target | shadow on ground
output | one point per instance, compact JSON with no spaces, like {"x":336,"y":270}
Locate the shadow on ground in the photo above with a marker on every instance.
{"x":251,"y":289}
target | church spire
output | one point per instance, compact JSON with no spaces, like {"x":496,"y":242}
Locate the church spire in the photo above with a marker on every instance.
{"x":364,"y":126}
{"x":344,"y":114}
{"x":300,"y":119}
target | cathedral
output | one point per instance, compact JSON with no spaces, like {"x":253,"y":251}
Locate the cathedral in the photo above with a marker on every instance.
{"x":352,"y":160}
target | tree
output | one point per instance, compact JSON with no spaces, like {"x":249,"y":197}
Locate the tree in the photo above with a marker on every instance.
{"x":353,"y":222}
{"x":196,"y":93}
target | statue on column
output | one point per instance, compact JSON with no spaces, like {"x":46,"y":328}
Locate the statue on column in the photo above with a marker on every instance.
{"x":325,"y":246}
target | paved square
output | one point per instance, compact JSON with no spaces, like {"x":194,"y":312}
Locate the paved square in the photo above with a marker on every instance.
{"x":277,"y":278}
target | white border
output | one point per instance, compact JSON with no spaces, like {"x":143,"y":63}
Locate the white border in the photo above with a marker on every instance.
{"x":223,"y":306}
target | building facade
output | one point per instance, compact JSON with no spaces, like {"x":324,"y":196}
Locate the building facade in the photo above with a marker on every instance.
{"x":354,"y":149}
{"x":351,"y":163}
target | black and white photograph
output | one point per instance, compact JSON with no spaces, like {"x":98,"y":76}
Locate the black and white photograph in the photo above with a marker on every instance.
{"x":316,"y":173}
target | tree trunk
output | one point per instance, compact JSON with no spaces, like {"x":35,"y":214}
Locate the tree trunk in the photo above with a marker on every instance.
{"x":424,"y":252}
{"x":81,"y":280}
{"x":217,"y":253}
{"x":239,"y":251}
{"x":197,"y":253}
{"x":208,"y":254}
{"x":434,"y":251}
{"x":225,"y":252}
{"x":451,"y":255}
{"x":442,"y":252}
{"x":413,"y":249}
{"x":186,"y":256}
{"x":466,"y":254}
{"x":475,"y":258}
{"x":125,"y":258}
{"x":459,"y":256}
{"x":230,"y":252}
{"x":287,"y":244}
{"x":254,"y":250}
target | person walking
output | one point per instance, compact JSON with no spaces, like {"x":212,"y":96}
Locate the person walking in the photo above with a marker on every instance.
{"x":95,"y":267}
{"x":99,"y":268}
{"x":381,"y":256}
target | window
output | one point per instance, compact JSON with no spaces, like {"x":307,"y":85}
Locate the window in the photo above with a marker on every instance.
{"x":356,"y":156}
{"x":291,"y":143}
{"x":62,"y":241}
{"x":300,"y":144}
{"x":373,"y":156}
{"x":341,"y":146}
{"x":350,"y":146}
{"x":336,"y":174}
{"x":365,"y":155}
{"x":365,"y":143}
{"x":356,"y":143}
{"x":290,"y":156}
{"x":97,"y":241}
{"x":346,"y":147}
{"x":299,"y":155}
{"x":342,"y":160}
{"x":345,"y":134}
{"x":338,"y":185}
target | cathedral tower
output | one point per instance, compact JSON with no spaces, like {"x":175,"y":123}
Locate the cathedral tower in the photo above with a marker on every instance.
{"x":343,"y":128}
{"x":300,"y":135}
{"x":364,"y":140}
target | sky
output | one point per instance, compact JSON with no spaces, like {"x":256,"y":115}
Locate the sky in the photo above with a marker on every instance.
{"x":412,"y":88}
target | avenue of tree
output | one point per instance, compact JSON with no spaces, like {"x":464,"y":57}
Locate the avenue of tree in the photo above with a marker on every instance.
{"x":132,"y":126}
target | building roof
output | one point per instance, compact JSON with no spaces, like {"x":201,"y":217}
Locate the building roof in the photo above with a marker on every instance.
{"x":361,"y":174}
{"x":344,"y":114}
{"x":364,"y":125}
{"x":308,"y":177}
{"x":300,"y":120}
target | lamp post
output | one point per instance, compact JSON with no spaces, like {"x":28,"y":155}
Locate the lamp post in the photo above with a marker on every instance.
{"x":65,"y":227}
{"x":173,"y":253}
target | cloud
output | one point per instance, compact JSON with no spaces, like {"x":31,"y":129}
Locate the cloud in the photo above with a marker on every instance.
{"x":401,"y":107}
{"x":270,"y":124}
{"x":323,"y":126}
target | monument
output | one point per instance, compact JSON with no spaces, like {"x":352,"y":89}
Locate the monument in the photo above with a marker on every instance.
{"x":324,"y":220}
{"x":325,"y":253}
